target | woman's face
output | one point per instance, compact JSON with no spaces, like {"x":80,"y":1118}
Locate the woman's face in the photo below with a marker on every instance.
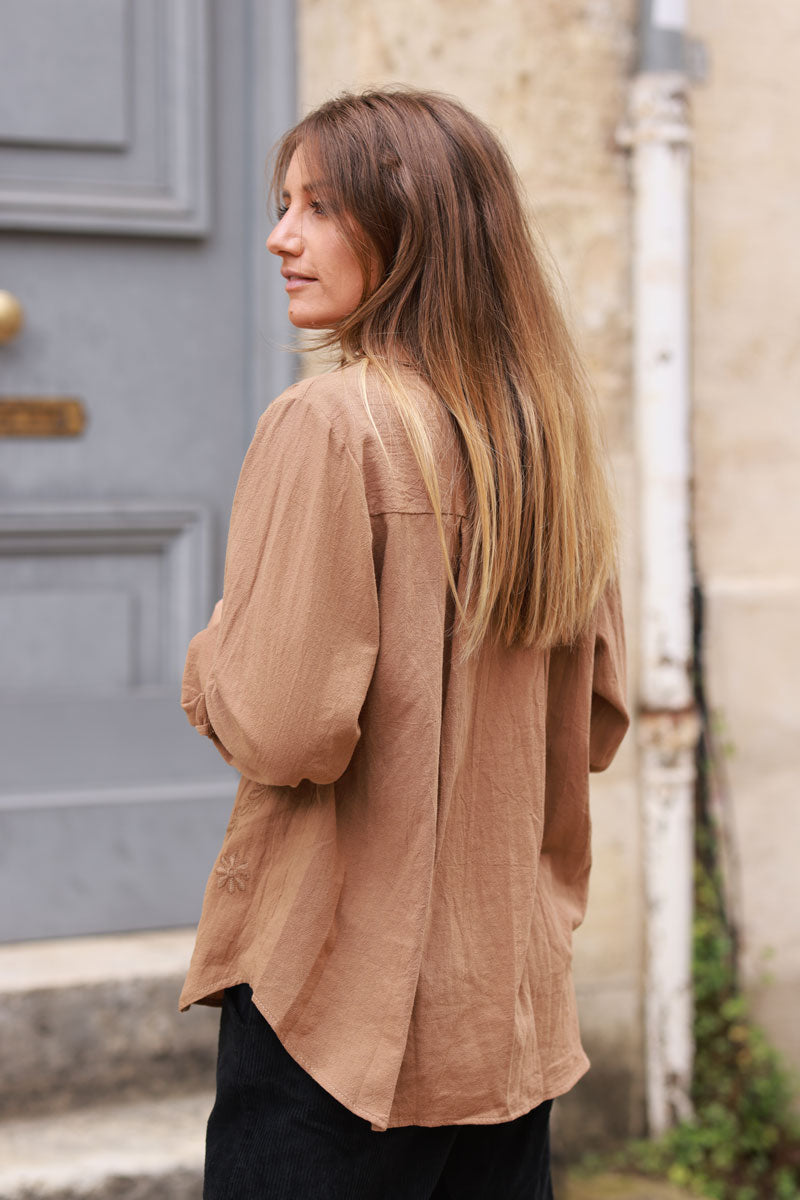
{"x":323,"y":276}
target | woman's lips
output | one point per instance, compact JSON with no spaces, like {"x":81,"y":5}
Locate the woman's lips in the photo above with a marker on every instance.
{"x":296,"y":281}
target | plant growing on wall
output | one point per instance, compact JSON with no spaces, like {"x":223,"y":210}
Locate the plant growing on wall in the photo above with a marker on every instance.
{"x":743,"y":1142}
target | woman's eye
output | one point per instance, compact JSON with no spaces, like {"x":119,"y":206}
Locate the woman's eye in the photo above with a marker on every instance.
{"x":281,"y":211}
{"x":316,"y":207}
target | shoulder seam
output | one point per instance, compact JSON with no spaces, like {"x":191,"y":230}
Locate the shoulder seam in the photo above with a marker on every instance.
{"x":298,"y":392}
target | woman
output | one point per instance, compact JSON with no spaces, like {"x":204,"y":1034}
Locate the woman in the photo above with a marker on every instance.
{"x":417,"y":660}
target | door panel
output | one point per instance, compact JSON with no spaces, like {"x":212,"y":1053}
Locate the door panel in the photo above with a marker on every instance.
{"x":157,"y":311}
{"x":104,"y":116}
{"x":111,"y":813}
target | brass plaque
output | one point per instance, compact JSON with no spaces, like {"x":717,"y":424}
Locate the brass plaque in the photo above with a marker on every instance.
{"x":41,"y":416}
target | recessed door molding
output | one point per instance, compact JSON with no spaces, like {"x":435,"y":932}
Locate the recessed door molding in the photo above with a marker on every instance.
{"x":52,"y":538}
{"x":140,"y":165}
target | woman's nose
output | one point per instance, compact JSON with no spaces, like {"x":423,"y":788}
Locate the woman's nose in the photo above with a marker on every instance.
{"x":287,"y":236}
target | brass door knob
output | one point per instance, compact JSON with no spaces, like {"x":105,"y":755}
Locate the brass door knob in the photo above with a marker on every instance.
{"x":12,"y":317}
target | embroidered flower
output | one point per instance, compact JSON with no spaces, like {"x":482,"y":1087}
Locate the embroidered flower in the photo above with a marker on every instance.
{"x":231,"y":874}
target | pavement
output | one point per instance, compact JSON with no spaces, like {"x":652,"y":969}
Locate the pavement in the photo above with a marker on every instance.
{"x":616,"y":1187}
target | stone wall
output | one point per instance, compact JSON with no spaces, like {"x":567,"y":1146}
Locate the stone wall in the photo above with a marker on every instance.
{"x":747,"y":463}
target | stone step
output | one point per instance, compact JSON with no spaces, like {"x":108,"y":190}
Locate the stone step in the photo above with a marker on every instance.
{"x":144,"y":1150}
{"x":82,"y":1019}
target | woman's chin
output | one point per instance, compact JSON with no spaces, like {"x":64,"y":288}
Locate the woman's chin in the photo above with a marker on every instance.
{"x":302,"y":320}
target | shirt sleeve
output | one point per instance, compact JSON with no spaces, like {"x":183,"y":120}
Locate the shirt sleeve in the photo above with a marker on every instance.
{"x":278,"y":678}
{"x":609,"y":716}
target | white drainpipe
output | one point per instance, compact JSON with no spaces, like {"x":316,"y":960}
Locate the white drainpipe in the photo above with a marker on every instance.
{"x":658,"y":135}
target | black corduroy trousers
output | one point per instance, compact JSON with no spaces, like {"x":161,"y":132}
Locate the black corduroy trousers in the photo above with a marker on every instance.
{"x":275,"y":1134}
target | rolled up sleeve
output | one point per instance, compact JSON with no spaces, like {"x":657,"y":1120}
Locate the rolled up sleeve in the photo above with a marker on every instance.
{"x":278,"y":680}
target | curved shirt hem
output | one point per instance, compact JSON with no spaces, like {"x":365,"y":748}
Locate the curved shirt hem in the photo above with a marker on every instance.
{"x":213,"y":996}
{"x":559,"y":1086}
{"x":558,"y":1083}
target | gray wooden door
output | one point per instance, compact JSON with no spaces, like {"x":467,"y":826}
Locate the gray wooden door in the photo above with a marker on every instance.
{"x":133,"y":135}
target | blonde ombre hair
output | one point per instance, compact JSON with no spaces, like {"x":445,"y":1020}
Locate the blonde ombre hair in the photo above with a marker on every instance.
{"x":423,"y":188}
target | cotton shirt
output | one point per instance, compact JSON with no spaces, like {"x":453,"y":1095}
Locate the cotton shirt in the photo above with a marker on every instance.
{"x":409,"y":849}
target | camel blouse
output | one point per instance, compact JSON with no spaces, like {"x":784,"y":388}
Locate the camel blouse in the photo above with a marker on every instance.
{"x":409,"y":849}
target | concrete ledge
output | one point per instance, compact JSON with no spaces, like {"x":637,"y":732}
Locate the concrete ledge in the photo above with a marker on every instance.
{"x":64,"y":962}
{"x":86,"y":1018}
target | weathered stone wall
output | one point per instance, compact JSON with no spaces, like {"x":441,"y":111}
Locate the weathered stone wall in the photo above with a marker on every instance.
{"x":747,"y":462}
{"x":550,"y":77}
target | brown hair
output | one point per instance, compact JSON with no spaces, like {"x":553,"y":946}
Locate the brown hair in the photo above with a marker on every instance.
{"x":420,"y":184}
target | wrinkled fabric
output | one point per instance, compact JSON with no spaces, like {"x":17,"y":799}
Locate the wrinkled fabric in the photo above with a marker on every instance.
{"x":409,"y":849}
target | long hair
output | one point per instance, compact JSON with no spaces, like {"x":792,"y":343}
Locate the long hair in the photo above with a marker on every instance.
{"x":422,"y":187}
